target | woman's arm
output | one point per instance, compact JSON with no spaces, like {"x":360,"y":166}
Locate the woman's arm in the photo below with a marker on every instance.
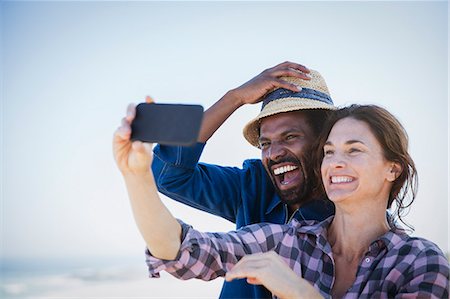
{"x":160,"y":230}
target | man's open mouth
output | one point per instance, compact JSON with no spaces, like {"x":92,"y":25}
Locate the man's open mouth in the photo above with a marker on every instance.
{"x":287,"y":175}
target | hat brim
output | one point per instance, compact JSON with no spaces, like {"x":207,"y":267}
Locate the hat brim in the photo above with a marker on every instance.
{"x":251,"y":130}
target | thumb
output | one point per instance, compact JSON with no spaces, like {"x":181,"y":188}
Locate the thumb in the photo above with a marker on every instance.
{"x":143,"y":148}
{"x":148,"y":147}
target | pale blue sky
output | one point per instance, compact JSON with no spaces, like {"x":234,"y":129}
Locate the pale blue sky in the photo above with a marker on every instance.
{"x":69,"y":70}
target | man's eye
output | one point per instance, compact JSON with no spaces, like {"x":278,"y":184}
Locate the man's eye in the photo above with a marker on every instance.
{"x":264,"y":144}
{"x":289,"y":137}
{"x":294,"y":137}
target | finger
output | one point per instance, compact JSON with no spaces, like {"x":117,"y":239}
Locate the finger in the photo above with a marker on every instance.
{"x":279,"y":83}
{"x":125,"y":122}
{"x":242,"y":272}
{"x":290,"y":72}
{"x":148,"y":147}
{"x":138,"y":146}
{"x":142,"y":147}
{"x":248,"y":266}
{"x":229,"y":276}
{"x":149,"y":99}
{"x":253,"y":280}
{"x":122,"y":133}
{"x":131,"y":112}
{"x":296,"y":66}
{"x":125,"y":126}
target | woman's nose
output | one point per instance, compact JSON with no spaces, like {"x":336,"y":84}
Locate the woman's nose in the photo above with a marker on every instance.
{"x":337,"y":161}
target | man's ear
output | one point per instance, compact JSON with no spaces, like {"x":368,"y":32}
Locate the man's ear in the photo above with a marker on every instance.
{"x":394,"y":172}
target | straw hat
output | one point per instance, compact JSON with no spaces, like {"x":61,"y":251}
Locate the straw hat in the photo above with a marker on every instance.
{"x":314,"y":95}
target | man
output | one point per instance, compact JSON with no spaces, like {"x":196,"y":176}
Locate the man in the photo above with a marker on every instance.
{"x":273,"y":189}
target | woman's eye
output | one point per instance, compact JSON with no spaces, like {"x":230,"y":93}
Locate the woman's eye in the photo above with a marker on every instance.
{"x":328,"y":152}
{"x":354,"y":150}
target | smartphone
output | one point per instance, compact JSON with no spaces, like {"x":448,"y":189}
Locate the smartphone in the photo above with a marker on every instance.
{"x":170,"y":124}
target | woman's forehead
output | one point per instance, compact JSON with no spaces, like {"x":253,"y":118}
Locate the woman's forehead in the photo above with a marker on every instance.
{"x":351,"y":129}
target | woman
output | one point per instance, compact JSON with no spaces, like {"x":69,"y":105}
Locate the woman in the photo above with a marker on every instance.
{"x":365,"y":167}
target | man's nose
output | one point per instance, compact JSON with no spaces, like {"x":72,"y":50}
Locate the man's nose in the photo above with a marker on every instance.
{"x":276,"y":151}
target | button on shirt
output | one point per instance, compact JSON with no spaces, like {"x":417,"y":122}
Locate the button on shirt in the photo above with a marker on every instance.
{"x":394,"y":266}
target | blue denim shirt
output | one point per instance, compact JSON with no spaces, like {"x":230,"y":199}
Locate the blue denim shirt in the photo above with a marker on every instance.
{"x":241,"y":195}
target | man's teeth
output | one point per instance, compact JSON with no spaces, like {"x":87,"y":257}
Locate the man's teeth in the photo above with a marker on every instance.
{"x":284,"y":169}
{"x":341,"y":179}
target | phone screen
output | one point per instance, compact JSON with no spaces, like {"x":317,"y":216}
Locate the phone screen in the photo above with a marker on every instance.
{"x":171,"y":124}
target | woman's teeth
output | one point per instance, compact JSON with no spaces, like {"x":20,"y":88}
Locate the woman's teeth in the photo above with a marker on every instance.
{"x":341,"y":179}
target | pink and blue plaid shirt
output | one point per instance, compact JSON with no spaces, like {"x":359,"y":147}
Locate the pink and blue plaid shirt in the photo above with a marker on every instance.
{"x":394,"y":266}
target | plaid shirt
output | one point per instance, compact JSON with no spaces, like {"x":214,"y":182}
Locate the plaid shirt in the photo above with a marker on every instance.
{"x":395,"y":265}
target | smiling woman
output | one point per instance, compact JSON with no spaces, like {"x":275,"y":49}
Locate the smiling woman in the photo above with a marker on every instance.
{"x":354,"y":165}
{"x":305,"y":259}
{"x":368,"y":147}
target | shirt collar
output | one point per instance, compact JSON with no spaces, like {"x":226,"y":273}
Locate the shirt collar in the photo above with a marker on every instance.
{"x":276,"y":201}
{"x":316,"y":229}
{"x":391,"y":238}
{"x":319,"y":229}
{"x":315,"y":209}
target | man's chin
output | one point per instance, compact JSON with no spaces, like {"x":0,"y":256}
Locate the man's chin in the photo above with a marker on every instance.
{"x":290,"y":196}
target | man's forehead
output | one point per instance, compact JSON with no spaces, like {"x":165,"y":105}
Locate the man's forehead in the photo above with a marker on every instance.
{"x":293,"y":117}
{"x":284,"y":122}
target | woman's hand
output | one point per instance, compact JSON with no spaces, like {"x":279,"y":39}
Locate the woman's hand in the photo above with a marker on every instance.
{"x":131,"y":157}
{"x":252,"y":91}
{"x":270,"y":270}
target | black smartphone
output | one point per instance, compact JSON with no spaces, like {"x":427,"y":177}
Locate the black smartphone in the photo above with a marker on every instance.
{"x":170,"y":124}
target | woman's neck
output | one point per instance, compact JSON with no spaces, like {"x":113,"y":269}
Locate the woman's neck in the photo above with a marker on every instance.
{"x":353,"y":230}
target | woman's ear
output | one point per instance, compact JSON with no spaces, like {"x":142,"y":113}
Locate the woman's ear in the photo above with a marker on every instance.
{"x":394,"y":172}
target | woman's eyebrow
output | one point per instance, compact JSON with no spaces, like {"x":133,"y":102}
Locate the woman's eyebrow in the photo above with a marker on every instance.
{"x":352,"y":141}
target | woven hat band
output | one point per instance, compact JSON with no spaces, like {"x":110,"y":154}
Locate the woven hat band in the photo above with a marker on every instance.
{"x":306,"y":93}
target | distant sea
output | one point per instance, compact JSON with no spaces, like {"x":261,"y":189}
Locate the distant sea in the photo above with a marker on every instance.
{"x":94,"y":278}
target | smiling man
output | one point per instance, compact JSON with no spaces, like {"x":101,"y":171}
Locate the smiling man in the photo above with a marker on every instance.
{"x":273,"y":189}
{"x":282,"y":140}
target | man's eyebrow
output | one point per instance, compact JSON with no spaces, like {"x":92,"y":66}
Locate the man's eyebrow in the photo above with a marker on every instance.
{"x":293,"y":130}
{"x":285,"y":132}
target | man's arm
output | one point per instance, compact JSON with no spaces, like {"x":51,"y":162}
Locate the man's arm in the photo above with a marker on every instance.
{"x":250,"y":92}
{"x":212,"y":188}
{"x":202,"y":186}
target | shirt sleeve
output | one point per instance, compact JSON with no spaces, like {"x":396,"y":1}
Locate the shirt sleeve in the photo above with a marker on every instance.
{"x":210,"y":188}
{"x":207,"y":256}
{"x":428,"y":275}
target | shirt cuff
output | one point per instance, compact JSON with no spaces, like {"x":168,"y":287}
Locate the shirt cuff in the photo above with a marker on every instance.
{"x":156,"y":265}
{"x":181,"y":156}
